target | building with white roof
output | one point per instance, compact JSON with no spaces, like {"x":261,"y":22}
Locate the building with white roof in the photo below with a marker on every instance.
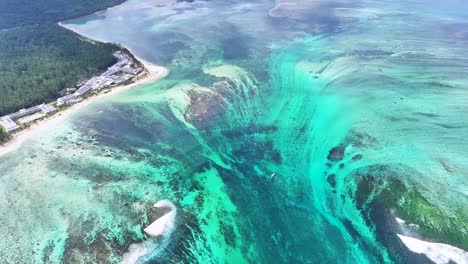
{"x":31,"y":118}
{"x":47,"y":109}
{"x":67,"y":99}
{"x":24,"y":112}
{"x":9,"y":125}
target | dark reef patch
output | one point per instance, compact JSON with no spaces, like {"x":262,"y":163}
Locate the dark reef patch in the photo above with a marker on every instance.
{"x":379,"y":188}
{"x":336,"y":153}
{"x":331,"y":179}
{"x":357,"y":157}
{"x":386,"y":229}
{"x":205,"y":109}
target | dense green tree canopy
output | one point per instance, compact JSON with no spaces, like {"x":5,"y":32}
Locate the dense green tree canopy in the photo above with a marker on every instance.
{"x":37,"y":62}
{"x":4,"y":136}
{"x":38,"y":58}
{"x":27,"y":12}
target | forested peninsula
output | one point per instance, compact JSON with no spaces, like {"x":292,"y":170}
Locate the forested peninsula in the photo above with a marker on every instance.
{"x":38,"y":58}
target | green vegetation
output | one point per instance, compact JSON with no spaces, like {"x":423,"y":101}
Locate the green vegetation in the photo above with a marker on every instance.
{"x":15,"y":13}
{"x":410,"y":205}
{"x":37,"y":62}
{"x":38,"y":58}
{"x":4,"y":136}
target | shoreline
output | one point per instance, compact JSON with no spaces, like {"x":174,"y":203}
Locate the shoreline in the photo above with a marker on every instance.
{"x":150,"y":73}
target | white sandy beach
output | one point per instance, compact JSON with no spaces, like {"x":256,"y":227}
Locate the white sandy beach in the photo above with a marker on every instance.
{"x":150,"y":73}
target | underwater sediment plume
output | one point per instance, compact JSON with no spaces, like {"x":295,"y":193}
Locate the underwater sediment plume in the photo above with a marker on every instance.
{"x":286,"y":132}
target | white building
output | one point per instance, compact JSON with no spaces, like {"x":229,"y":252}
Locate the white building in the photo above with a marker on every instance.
{"x":24,"y":112}
{"x":31,"y":118}
{"x":9,"y":125}
{"x":47,"y":109}
{"x":67,"y":99}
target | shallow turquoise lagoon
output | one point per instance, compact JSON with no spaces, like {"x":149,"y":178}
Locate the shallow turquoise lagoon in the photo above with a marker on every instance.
{"x":286,"y":132}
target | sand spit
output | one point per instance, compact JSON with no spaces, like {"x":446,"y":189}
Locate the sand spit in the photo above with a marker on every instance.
{"x":150,"y":73}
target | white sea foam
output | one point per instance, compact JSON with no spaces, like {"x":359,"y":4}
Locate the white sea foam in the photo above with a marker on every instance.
{"x":408,"y":229}
{"x":164,"y":225}
{"x":437,"y":252}
{"x":136,"y":251}
{"x":161,"y":227}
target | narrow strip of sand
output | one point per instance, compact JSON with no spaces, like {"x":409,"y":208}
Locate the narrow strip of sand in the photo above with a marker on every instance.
{"x":150,"y":73}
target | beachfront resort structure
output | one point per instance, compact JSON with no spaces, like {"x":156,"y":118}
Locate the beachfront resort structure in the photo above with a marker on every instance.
{"x":8,"y":124}
{"x":125,"y":69}
{"x":25,"y":116}
{"x":122,"y":71}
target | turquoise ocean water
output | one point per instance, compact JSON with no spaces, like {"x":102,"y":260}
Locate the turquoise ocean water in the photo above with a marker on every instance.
{"x":286,"y":132}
